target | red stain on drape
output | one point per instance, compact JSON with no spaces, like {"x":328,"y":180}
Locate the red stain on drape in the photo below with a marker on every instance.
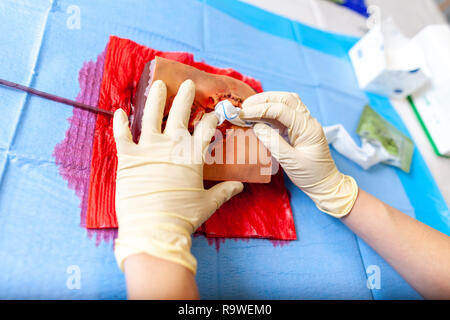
{"x":261,"y":210}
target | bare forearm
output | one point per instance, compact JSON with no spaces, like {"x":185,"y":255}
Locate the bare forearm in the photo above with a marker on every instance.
{"x":419,"y":253}
{"x":149,"y":277}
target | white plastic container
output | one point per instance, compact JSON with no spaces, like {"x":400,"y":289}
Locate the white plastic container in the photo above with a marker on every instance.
{"x":388,"y":63}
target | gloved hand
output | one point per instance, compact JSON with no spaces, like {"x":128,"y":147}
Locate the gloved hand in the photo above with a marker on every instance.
{"x":307,"y":159}
{"x":160,"y":199}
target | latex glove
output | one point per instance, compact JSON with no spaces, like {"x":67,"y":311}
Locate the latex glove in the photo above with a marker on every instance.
{"x":306,"y":159}
{"x":160,"y":199}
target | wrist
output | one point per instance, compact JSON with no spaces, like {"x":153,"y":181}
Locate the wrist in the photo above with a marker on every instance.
{"x":167,"y":240}
{"x":336,"y":195}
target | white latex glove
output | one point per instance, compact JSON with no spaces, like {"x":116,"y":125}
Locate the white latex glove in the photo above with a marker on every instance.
{"x":160,"y":199}
{"x":307,"y":159}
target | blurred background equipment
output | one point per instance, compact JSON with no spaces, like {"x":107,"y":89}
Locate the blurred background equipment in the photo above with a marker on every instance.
{"x":444,"y":5}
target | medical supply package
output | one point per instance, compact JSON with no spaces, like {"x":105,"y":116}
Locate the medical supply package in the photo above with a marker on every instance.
{"x":376,"y":130}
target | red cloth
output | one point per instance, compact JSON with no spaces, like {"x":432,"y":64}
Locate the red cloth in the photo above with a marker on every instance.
{"x":261,"y":210}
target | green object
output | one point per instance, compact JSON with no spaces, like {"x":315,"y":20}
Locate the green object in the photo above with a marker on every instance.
{"x":375,"y":129}
{"x":424,"y":127}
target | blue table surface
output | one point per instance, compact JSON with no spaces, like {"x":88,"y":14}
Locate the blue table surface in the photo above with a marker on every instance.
{"x":40,"y":235}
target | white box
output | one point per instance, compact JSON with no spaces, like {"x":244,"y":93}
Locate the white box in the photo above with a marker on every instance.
{"x":432,"y":103}
{"x":388,"y":63}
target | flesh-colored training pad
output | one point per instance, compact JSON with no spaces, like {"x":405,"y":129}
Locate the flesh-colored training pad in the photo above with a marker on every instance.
{"x":238,"y":155}
{"x":262,"y":210}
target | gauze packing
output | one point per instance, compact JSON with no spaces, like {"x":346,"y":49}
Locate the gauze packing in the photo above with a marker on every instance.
{"x":225,"y":110}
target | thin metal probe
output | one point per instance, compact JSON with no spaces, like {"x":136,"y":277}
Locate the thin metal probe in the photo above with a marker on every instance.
{"x":53,"y":97}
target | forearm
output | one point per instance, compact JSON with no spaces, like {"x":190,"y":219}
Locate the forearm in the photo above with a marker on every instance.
{"x":418,"y":252}
{"x":148,"y":277}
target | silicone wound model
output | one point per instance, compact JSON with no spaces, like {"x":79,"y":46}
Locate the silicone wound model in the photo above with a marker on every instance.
{"x":262,"y":210}
{"x":237,"y":143}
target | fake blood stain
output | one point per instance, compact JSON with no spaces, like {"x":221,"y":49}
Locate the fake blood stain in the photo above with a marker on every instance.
{"x":73,"y":154}
{"x":87,"y":159}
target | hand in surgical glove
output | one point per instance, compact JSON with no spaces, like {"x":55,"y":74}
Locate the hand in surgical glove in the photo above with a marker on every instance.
{"x":160,"y":199}
{"x":306,"y":159}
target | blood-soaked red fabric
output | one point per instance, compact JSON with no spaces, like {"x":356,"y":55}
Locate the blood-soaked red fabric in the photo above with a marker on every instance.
{"x":261,"y":210}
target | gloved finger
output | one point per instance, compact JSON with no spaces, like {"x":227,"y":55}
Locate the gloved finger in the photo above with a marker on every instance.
{"x":223,"y":192}
{"x":204,"y":130}
{"x":181,"y":108}
{"x":154,"y":109}
{"x":272,"y":111}
{"x":290,"y":99}
{"x":270,"y":138}
{"x":121,"y":129}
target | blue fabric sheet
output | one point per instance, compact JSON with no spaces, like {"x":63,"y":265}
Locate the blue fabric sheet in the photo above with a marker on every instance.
{"x":40,"y":236}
